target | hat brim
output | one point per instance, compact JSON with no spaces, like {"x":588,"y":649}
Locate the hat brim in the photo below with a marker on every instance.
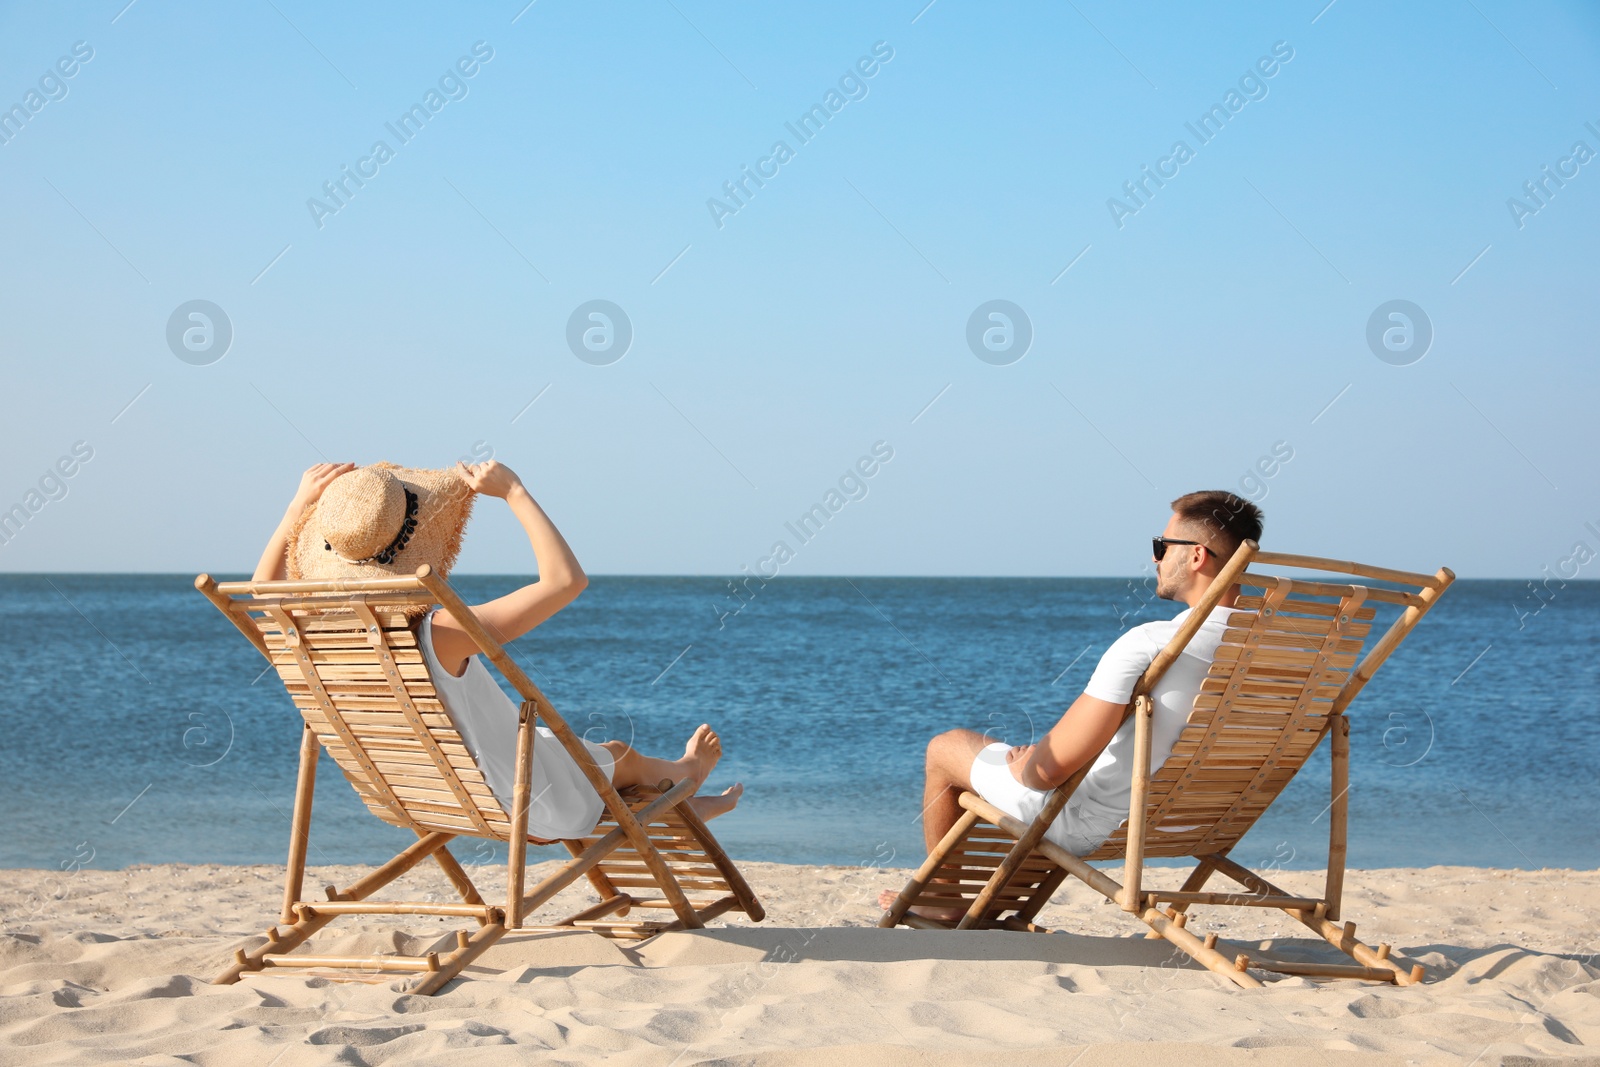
{"x":444,"y":504}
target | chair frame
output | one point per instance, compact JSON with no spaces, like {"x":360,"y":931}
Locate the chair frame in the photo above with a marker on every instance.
{"x":636,"y":817}
{"x":1032,"y":867}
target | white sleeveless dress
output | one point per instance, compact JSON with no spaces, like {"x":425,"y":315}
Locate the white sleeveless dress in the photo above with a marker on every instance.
{"x":563,"y":804}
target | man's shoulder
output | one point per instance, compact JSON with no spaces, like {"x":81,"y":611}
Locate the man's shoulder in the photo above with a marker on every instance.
{"x":1150,"y":637}
{"x":1161,"y":629}
{"x":1144,"y":640}
{"x":1121,"y":664}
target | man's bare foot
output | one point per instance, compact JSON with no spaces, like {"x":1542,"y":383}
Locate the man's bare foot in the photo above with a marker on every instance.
{"x":701,"y":754}
{"x":711,"y":807}
{"x":887,"y":898}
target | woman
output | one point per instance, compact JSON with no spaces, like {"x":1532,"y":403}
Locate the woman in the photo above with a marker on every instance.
{"x":384,"y":521}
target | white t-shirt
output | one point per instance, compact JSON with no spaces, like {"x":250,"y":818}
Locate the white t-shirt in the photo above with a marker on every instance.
{"x":1107,"y":789}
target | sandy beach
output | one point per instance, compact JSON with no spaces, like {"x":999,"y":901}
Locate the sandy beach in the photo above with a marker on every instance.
{"x":114,"y":967}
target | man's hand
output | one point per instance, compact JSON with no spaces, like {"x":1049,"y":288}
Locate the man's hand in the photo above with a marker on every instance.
{"x":314,"y":482}
{"x":1017,"y":759}
{"x":491,"y":479}
{"x":1074,"y":742}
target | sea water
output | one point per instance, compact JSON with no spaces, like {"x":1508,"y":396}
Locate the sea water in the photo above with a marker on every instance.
{"x":139,"y":726}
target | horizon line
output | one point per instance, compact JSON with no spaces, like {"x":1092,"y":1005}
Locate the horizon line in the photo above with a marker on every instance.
{"x":533,"y":575}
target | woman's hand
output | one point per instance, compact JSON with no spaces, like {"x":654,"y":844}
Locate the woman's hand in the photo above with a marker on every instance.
{"x":314,"y":481}
{"x":491,"y":479}
{"x":560,"y":580}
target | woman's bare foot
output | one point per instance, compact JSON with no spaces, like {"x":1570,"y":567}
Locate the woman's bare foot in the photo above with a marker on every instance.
{"x":701,"y":755}
{"x":887,"y":898}
{"x":711,"y":807}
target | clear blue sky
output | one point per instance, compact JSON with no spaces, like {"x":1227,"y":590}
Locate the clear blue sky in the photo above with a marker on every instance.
{"x":1222,"y":318}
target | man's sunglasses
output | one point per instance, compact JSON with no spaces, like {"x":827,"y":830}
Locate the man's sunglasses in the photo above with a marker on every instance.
{"x":1158,"y":546}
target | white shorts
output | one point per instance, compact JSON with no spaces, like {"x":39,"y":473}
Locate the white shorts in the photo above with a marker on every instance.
{"x":1078,"y":832}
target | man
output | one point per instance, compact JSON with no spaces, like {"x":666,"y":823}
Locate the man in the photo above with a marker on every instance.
{"x":1205,"y":530}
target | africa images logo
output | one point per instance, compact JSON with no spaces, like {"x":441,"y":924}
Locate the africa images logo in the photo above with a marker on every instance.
{"x":452,"y":85}
{"x":1399,"y":332}
{"x":199,"y":332}
{"x":852,"y":85}
{"x":1252,"y":86}
{"x":999,"y":332}
{"x":599,"y":332}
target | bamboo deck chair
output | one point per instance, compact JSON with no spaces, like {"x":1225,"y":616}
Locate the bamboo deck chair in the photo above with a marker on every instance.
{"x":350,"y":661}
{"x":1281,"y":680}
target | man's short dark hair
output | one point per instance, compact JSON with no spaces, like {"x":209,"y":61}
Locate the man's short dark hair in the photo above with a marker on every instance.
{"x":1223,"y":519}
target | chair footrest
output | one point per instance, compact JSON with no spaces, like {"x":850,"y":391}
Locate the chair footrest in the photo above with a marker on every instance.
{"x":619,"y":903}
{"x":1326,"y":970}
{"x":307,"y":909}
{"x":1236,"y":900}
{"x":430,"y":962}
{"x":625,"y":931}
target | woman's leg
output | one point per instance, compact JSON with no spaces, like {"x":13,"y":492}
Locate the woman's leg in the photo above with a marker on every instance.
{"x":632,"y":767}
{"x":700,"y":755}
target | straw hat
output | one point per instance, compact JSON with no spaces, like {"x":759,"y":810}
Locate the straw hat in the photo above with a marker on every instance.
{"x":379,"y":521}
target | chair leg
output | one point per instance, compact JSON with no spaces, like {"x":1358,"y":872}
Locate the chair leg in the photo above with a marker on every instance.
{"x":1338,"y":815}
{"x":1108,"y":887}
{"x":639,"y":838}
{"x":1203,"y":952}
{"x":1173,"y":930}
{"x":919,"y":881}
{"x":306,"y":925}
{"x":602,"y":847}
{"x":1028,"y":838}
{"x":297,"y":935}
{"x":1343,"y":938}
{"x":300,"y":823}
{"x":1041,"y":897}
{"x":714,"y":852}
{"x":637,"y":831}
{"x":597,"y":878}
{"x":517,"y":860}
{"x":1138,"y":815}
{"x":1192,"y":884}
{"x":456,"y":873}
{"x":1340,"y":937}
{"x":468,"y":948}
{"x":618,"y":904}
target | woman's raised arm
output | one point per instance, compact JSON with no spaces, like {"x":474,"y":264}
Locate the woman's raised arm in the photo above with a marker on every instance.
{"x":274,"y":557}
{"x":560,"y":580}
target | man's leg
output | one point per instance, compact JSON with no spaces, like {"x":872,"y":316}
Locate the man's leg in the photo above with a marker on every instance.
{"x":947,"y":773}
